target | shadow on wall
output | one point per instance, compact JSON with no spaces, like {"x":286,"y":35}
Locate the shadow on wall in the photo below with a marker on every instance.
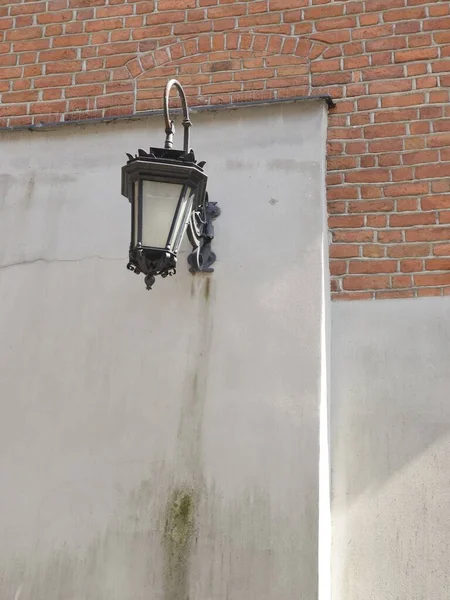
{"x":390,"y":387}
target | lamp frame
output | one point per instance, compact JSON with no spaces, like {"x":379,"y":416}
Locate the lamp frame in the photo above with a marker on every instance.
{"x":170,"y":166}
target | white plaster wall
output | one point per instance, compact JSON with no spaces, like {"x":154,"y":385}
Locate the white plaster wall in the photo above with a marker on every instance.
{"x":162,"y":444}
{"x":390,"y":435}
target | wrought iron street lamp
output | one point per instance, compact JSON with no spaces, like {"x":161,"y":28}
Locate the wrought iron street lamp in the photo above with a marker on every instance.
{"x":167,"y":192}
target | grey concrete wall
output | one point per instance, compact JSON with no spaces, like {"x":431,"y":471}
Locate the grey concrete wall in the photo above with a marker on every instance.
{"x":162,"y":444}
{"x":390,"y":425}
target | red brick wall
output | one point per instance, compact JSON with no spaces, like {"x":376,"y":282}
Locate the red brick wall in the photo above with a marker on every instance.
{"x":386,"y":62}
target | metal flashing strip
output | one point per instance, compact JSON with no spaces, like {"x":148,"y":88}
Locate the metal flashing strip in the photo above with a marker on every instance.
{"x":153,"y":113}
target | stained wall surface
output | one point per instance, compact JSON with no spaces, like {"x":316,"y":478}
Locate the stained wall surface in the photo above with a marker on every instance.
{"x":162,"y":444}
{"x":390,"y":438}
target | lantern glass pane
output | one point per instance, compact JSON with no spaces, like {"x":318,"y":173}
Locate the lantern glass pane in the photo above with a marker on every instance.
{"x":135,"y":212}
{"x":184,"y":212}
{"x":159,"y":204}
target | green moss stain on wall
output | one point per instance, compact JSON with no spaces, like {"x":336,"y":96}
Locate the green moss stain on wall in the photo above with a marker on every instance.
{"x":178,"y":536}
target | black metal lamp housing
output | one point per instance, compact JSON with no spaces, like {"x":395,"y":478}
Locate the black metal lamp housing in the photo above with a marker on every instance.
{"x":167,"y":192}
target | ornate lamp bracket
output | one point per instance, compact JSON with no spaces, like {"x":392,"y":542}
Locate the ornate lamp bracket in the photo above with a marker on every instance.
{"x":200,"y":228}
{"x":201,"y":234}
{"x":170,"y":125}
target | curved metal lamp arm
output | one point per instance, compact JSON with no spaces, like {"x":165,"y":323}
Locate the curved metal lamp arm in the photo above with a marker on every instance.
{"x":170,"y":126}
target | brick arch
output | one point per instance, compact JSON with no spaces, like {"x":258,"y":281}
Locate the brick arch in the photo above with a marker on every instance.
{"x":224,"y":68}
